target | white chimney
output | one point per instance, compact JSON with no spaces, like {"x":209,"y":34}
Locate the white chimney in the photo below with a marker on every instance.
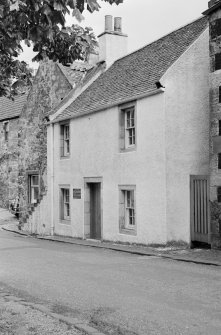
{"x":112,"y":42}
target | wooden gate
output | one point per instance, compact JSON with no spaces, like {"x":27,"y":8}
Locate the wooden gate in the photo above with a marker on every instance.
{"x":199,"y":209}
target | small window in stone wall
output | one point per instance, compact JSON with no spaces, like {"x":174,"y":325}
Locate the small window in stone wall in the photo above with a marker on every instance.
{"x":33,"y":188}
{"x":218,"y":61}
{"x":219,"y":94}
{"x":219,"y":127}
{"x":6,"y":130}
{"x":219,"y":194}
{"x":219,"y":161}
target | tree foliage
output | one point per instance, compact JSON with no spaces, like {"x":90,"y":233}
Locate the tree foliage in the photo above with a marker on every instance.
{"x":42,"y":24}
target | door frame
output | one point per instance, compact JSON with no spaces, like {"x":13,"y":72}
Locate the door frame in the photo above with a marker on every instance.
{"x":87,"y":181}
{"x":192,"y":232}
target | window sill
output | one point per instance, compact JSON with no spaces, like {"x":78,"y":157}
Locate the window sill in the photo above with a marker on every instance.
{"x":130,"y":149}
{"x":65,"y":222}
{"x":65,"y":157}
{"x":128,"y":231}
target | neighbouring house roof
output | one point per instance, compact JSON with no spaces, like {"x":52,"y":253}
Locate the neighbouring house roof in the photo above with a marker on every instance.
{"x":10,"y":109}
{"x":136,"y":73}
{"x":86,"y":73}
{"x":75,"y":72}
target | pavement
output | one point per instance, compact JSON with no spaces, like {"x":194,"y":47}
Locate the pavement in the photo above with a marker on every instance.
{"x":177,"y":252}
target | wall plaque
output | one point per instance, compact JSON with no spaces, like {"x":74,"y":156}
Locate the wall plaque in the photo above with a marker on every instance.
{"x":76,"y":193}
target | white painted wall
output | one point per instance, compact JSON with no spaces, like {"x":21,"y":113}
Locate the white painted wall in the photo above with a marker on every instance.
{"x":112,"y":46}
{"x":172,"y":144}
{"x":95,"y":153}
{"x":187,"y":132}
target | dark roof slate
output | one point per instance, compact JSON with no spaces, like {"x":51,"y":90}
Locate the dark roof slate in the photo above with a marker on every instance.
{"x":10,"y":109}
{"x":135,"y":73}
{"x":75,"y":72}
{"x":82,"y":77}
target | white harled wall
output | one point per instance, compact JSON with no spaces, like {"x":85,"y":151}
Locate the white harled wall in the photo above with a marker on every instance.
{"x":187,"y":132}
{"x":95,"y":153}
{"x":172,"y":144}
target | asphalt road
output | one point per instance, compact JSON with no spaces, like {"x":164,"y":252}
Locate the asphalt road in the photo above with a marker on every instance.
{"x":119,"y":293}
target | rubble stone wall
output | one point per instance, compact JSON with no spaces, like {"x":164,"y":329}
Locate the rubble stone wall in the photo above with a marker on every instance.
{"x":49,"y":88}
{"x":9,"y":163}
{"x":215,"y":116}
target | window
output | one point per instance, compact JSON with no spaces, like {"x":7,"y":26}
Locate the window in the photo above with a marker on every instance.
{"x":33,"y":188}
{"x":129,"y":209}
{"x":6,"y":130}
{"x":219,"y":194}
{"x":219,"y":127}
{"x":65,"y":204}
{"x":127,"y":216}
{"x":128,"y":128}
{"x":219,"y":161}
{"x":219,"y":94}
{"x":217,"y":61}
{"x":65,"y":140}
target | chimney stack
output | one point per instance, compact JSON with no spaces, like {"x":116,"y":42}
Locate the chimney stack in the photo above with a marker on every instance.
{"x":108,"y":23}
{"x":212,"y":3}
{"x":118,"y":24}
{"x":112,"y":42}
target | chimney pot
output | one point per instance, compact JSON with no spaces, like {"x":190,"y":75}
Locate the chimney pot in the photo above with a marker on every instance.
{"x":108,"y":23}
{"x":118,"y":24}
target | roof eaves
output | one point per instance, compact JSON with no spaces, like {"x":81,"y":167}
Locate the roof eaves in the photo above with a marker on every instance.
{"x":104,"y":107}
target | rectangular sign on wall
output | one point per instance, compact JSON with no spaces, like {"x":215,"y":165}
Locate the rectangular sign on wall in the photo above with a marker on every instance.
{"x":76,"y":193}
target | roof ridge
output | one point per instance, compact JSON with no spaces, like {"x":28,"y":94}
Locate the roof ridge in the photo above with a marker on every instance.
{"x":158,"y":39}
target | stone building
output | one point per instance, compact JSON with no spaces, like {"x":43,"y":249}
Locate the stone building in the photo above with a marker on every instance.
{"x":51,"y":84}
{"x":9,"y":128}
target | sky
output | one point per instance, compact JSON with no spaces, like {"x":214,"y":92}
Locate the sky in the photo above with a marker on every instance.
{"x":143,"y":20}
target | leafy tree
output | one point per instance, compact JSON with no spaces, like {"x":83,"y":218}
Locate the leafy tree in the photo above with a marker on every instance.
{"x":42,"y":24}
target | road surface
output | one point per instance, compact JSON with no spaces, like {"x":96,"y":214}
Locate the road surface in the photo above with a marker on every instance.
{"x":118,"y":293}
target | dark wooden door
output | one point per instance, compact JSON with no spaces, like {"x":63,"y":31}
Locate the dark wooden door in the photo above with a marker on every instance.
{"x":95,"y":210}
{"x":199,"y":209}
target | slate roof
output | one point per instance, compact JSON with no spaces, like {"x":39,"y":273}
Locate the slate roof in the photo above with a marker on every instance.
{"x":10,"y":109}
{"x":75,"y":72}
{"x":135,"y":73}
{"x":81,"y":79}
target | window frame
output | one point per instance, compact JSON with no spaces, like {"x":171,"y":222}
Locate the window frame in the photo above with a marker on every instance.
{"x":219,"y":161}
{"x":219,"y":94}
{"x":217,"y":62}
{"x":64,"y":203}
{"x":128,"y":127}
{"x":65,"y":140}
{"x":218,"y":192}
{"x":127,"y":211}
{"x":32,"y":187}
{"x":219,"y":127}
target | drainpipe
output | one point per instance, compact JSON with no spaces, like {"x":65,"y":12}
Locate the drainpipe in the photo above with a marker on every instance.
{"x":52,"y":176}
